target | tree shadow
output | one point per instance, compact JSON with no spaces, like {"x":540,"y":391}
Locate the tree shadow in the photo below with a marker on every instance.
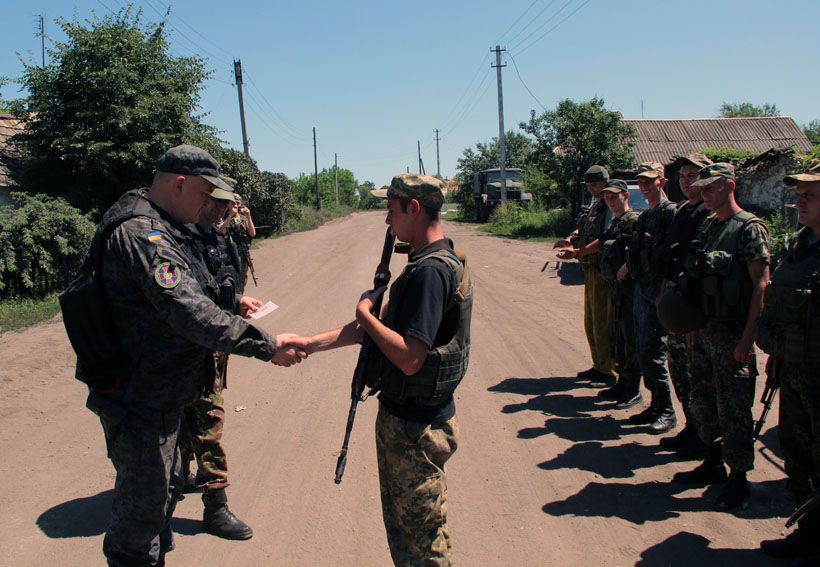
{"x":684,"y":549}
{"x":620,"y":461}
{"x":656,"y":502}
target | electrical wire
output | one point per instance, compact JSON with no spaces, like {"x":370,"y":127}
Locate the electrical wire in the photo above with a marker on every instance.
{"x":543,"y":24}
{"x":522,"y":50}
{"x":531,"y":22}
{"x":515,"y":66}
{"x":518,"y":19}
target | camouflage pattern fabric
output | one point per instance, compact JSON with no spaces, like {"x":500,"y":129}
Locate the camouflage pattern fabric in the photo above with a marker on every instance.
{"x":800,"y":426}
{"x":721,"y":402}
{"x":651,"y":341}
{"x":201,"y":438}
{"x":238,"y":233}
{"x":678,"y":359}
{"x":596,"y":319}
{"x":143,"y":449}
{"x":622,"y":333}
{"x":411,"y":458}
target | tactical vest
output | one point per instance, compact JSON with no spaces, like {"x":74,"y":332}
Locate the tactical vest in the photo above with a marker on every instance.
{"x":646,"y":238}
{"x":89,"y":324}
{"x":612,"y":255}
{"x":790,"y":324}
{"x":717,"y":277}
{"x":591,"y":227}
{"x":668,"y":259}
{"x":446,"y":365}
{"x":215,"y":271}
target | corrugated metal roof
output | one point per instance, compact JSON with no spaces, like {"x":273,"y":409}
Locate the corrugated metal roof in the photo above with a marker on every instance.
{"x":9,"y":126}
{"x":662,"y":140}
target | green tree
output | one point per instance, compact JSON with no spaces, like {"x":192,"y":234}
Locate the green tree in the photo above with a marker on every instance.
{"x":747,"y":110}
{"x":812,"y":130}
{"x":574,"y":136}
{"x":305,"y":189}
{"x":487,"y":155}
{"x":109,"y":103}
{"x":366,"y":200}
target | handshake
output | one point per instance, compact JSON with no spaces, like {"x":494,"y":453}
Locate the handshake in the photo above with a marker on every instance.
{"x":291,"y":349}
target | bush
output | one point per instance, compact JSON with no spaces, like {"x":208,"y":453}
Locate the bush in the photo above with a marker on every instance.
{"x":514,"y":221}
{"x":729,"y":155}
{"x":303,"y":217}
{"x":43,"y":241}
{"x":780,"y":230}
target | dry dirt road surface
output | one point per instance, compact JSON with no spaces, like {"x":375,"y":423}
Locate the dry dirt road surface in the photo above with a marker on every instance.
{"x":545,"y":473}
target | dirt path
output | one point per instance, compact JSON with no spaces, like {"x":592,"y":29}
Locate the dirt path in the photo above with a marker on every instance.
{"x":545,"y":474}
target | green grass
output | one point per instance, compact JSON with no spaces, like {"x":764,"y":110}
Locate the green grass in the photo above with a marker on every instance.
{"x":308,"y":218}
{"x":513,"y":221}
{"x":16,"y":314}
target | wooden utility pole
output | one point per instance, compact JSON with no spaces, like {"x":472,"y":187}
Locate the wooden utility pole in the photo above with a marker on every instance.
{"x":501,"y":141}
{"x":43,"y":38}
{"x":421,"y":163}
{"x":438,"y":159}
{"x":316,"y":173}
{"x":237,"y":72}
{"x":336,"y":174}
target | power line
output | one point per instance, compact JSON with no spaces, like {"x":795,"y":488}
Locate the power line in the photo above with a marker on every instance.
{"x":515,"y":66}
{"x":297,"y":131}
{"x":539,"y":28}
{"x":469,"y":109}
{"x":182,"y":34}
{"x":524,"y":13}
{"x":532,"y":21}
{"x":522,"y":50}
{"x":467,"y":89}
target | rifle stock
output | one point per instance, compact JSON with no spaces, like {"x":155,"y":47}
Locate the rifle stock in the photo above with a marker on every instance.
{"x":381,"y":279}
{"x":250,"y":265}
{"x":769,"y":392}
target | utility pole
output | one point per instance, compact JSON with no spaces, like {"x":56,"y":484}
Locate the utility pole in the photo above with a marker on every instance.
{"x":237,"y":72}
{"x":336,"y":174}
{"x":421,"y":163}
{"x":43,"y":38}
{"x":316,"y":173}
{"x":438,"y":159}
{"x":501,"y":142}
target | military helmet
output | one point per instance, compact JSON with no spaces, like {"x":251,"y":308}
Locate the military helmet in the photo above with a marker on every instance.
{"x":677,"y":313}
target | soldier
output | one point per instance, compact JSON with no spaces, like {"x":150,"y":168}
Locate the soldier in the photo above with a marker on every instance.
{"x":203,"y":421}
{"x":627,"y":391}
{"x":168,"y":325}
{"x":591,"y":225}
{"x":241,"y":230}
{"x":668,"y":263}
{"x":729,"y":264}
{"x":646,"y":237}
{"x":789,"y":331}
{"x":426,"y":322}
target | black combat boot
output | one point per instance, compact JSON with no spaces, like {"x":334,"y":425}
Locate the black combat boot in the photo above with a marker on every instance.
{"x":710,"y":471}
{"x":613,"y":392}
{"x":734,"y":494}
{"x":219,"y":520}
{"x":665,"y":421}
{"x":647,"y":416}
{"x":683,"y":439}
{"x":601,"y":380}
{"x":630,"y":394}
{"x":587,"y":374}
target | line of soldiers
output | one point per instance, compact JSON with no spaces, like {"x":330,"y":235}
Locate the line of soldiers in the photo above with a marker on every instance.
{"x":688,"y":286}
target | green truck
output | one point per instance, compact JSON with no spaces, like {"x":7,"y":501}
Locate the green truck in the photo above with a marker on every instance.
{"x":487,"y":190}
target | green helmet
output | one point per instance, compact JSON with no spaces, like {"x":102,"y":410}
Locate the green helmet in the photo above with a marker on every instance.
{"x":677,"y":313}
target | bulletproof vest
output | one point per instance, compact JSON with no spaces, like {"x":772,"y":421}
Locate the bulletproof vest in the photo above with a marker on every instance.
{"x":101,"y":359}
{"x":213,"y":269}
{"x":646,"y":238}
{"x":446,"y":365}
{"x":591,"y":227}
{"x":667,"y":259}
{"x":790,"y":324}
{"x":717,"y":277}
{"x":613,"y":242}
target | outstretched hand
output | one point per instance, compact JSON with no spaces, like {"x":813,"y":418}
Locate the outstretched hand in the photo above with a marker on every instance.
{"x":287,"y":355}
{"x":248,"y":305}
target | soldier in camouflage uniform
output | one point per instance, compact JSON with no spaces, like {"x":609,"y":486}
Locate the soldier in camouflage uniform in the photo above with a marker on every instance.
{"x":591,"y":225}
{"x":240,"y":230}
{"x":168,"y":325}
{"x":647,"y":235}
{"x":611,"y":256}
{"x":790,"y":333}
{"x":729,"y":265}
{"x":421,"y":355}
{"x":668,"y":263}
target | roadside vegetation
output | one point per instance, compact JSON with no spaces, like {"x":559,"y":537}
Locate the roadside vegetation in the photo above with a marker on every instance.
{"x":514,"y":221}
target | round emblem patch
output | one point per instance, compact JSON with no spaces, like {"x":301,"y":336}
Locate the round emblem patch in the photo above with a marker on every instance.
{"x":167,"y":275}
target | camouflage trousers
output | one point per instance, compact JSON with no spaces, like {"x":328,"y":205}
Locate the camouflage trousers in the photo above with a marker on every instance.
{"x":622,"y":333}
{"x":679,"y":361}
{"x":800,"y":426}
{"x":651,"y":343}
{"x":722,"y":396}
{"x":411,"y":458}
{"x":596,"y":319}
{"x":143,"y":448}
{"x":201,"y":435}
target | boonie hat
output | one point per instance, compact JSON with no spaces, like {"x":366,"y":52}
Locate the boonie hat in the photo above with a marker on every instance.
{"x":698,"y":160}
{"x":650,"y":169}
{"x":811,"y":173}
{"x":714,"y":172}
{"x":424,"y":188}
{"x":596,"y":173}
{"x":616,"y":186}
{"x":191,"y":160}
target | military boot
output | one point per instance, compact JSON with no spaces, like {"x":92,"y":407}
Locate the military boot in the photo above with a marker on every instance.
{"x":683,"y":439}
{"x":630,"y":394}
{"x":710,"y":471}
{"x":219,"y":520}
{"x":734,"y":494}
{"x":602,"y":380}
{"x":665,"y":421}
{"x":647,"y":416}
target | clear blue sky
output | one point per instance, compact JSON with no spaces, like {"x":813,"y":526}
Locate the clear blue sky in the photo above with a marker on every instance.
{"x":375,"y":76}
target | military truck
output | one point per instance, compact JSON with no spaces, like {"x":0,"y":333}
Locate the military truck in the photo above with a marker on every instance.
{"x":487,"y":190}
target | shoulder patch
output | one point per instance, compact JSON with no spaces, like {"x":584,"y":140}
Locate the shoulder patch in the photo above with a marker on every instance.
{"x":154,"y":236}
{"x":167,"y":275}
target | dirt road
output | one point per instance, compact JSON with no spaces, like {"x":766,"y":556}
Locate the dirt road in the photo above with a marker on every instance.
{"x":545,"y":473}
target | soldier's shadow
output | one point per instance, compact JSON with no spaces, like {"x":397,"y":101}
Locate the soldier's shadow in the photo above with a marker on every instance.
{"x":570,"y":273}
{"x":620,"y":461}
{"x":685,"y":548}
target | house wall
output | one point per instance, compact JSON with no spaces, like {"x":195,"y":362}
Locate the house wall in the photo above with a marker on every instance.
{"x":760,"y":185}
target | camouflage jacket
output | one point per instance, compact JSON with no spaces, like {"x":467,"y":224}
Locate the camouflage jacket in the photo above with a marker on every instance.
{"x":166,"y":322}
{"x":591,"y":226}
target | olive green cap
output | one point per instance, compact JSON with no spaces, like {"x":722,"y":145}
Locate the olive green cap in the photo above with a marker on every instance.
{"x":698,"y":160}
{"x":616,"y":186}
{"x":809,"y":174}
{"x":424,"y":188}
{"x":714,"y":172}
{"x":650,"y":169}
{"x":596,"y":173}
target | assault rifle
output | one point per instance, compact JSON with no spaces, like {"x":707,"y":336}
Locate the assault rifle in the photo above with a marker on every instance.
{"x":769,"y":392}
{"x":381,"y":279}
{"x":809,"y":505}
{"x":250,"y":265}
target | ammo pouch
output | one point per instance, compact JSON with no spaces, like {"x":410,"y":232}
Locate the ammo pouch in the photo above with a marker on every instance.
{"x":610,"y":260}
{"x":721,"y":293}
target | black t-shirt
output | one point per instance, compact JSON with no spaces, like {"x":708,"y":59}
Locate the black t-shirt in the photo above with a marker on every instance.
{"x":423,"y":314}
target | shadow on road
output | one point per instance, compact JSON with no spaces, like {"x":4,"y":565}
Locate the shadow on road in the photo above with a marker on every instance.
{"x":685,"y":549}
{"x":82,"y":517}
{"x":568,"y":273}
{"x":620,"y":461}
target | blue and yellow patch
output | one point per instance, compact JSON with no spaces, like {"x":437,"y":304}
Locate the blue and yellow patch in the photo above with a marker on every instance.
{"x":154,"y":236}
{"x":167,"y":275}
